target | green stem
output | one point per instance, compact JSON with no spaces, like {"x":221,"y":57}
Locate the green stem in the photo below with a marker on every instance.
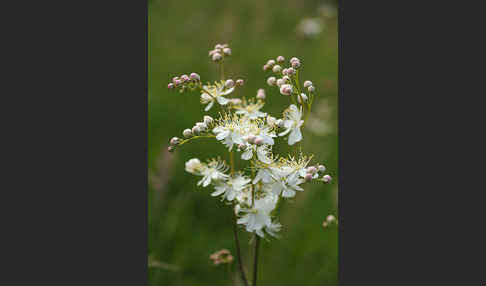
{"x":238,"y":254}
{"x":255,"y":261}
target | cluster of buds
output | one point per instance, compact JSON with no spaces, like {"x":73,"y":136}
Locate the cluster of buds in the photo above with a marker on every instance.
{"x":229,"y":83}
{"x":222,"y":256}
{"x":184,"y":81}
{"x":330,"y":219}
{"x":310,"y":87}
{"x":313,"y":172}
{"x":200,"y":128}
{"x":219,"y":52}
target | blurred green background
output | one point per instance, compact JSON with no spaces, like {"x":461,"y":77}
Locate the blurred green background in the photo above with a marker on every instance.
{"x":186,"y":224}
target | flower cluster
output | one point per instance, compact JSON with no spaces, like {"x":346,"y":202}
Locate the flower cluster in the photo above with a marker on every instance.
{"x":184,"y":82}
{"x":255,"y":192}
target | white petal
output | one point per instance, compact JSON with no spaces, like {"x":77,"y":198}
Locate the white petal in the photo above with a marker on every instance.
{"x":208,"y":107}
{"x":247,"y":155}
{"x":295,"y":136}
{"x":222,"y":100}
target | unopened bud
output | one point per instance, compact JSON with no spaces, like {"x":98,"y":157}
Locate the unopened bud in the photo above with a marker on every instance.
{"x":286,"y":89}
{"x":271,"y":62}
{"x":170,"y":85}
{"x":229,"y":83}
{"x":174,"y":141}
{"x":250,"y":138}
{"x":280,"y":82}
{"x":280,"y":59}
{"x":308,"y":177}
{"x":290,"y":71}
{"x":184,"y":77}
{"x":187,"y":133}
{"x":284,"y":72}
{"x":265,"y":67}
{"x":235,"y":101}
{"x":170,"y":149}
{"x":321,"y":168}
{"x":276,"y":69}
{"x":241,"y":147}
{"x":286,"y":78}
{"x":218,"y":46}
{"x":240,"y":82}
{"x":303,"y":96}
{"x":307,"y":83}
{"x":177,"y":81}
{"x":326,"y":178}
{"x":330,"y":218}
{"x":258,"y":141}
{"x":311,"y":88}
{"x":293,"y":59}
{"x":260,"y":94}
{"x":216,"y":57}
{"x":195,"y":130}
{"x":312,"y":170}
{"x":296,"y":64}
{"x":227,"y":51}
{"x":174,"y":79}
{"x":195,"y":76}
{"x":271,"y":81}
{"x":201,"y":126}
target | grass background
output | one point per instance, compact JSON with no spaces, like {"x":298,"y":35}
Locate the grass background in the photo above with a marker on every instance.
{"x":186,"y":225}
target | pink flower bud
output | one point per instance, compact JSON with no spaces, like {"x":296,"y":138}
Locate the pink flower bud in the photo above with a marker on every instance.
{"x":227,"y":51}
{"x":265,"y":67}
{"x":187,"y":133}
{"x":170,"y":85}
{"x":276,"y":69}
{"x":312,"y":170}
{"x":235,"y":101}
{"x":175,"y":79}
{"x":216,"y":57}
{"x":250,"y":138}
{"x":271,"y":81}
{"x":258,"y":141}
{"x":170,"y":149}
{"x":271,"y":62}
{"x":290,"y":71}
{"x":293,"y":59}
{"x":229,"y":83}
{"x":284,"y":71}
{"x":311,"y":88}
{"x":195,"y":130}
{"x":177,"y":82}
{"x":280,"y":59}
{"x":330,"y":218}
{"x":308,"y":177}
{"x":184,"y":77}
{"x":218,"y":46}
{"x":296,"y":64}
{"x":174,"y":141}
{"x":326,"y":178}
{"x":286,"y":89}
{"x":240,"y":82}
{"x":321,"y":168}
{"x":241,"y":147}
{"x":307,"y":83}
{"x":195,"y":76}
{"x":280,"y":82}
{"x":260,"y":94}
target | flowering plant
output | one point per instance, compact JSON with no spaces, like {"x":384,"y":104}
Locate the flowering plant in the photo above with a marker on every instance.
{"x":255,"y":192}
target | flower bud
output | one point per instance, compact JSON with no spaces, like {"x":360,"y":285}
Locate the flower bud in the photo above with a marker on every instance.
{"x":195,"y":76}
{"x":175,"y":79}
{"x":330,"y":218}
{"x":284,"y":72}
{"x":293,"y":59}
{"x":218,"y":46}
{"x":195,"y":130}
{"x":280,"y":82}
{"x":259,"y":141}
{"x":280,"y":59}
{"x":271,"y":62}
{"x":187,"y":133}
{"x":326,"y":178}
{"x":307,"y":83}
{"x":311,"y":88}
{"x":177,"y":82}
{"x":286,"y":78}
{"x":296,"y":64}
{"x":271,"y":81}
{"x":216,"y":57}
{"x":227,"y":51}
{"x":290,"y":71}
{"x":312,"y":170}
{"x":208,"y":119}
{"x":276,"y":69}
{"x":229,"y":83}
{"x":324,"y":224}
{"x":241,"y":147}
{"x":286,"y":89}
{"x":308,"y":177}
{"x":250,"y":138}
{"x":170,"y":85}
{"x":321,"y":168}
{"x":260,"y":94}
{"x":170,"y":149}
{"x":303,"y":96}
{"x":174,"y":141}
{"x":201,"y":126}
{"x":184,"y":77}
{"x":240,"y":82}
{"x":265,"y":67}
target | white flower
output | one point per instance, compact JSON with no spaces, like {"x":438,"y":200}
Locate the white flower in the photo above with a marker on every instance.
{"x":258,"y":217}
{"x":214,"y":171}
{"x":292,"y":124}
{"x":273,"y":228}
{"x":287,"y":181}
{"x":265,"y":175}
{"x":251,"y":111}
{"x":232,"y":187}
{"x":213,"y":93}
{"x":261,"y":152}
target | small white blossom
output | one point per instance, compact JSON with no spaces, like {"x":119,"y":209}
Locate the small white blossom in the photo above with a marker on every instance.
{"x":258,"y":217}
{"x":287,"y":181}
{"x":251,"y":110}
{"x":232,"y":187}
{"x":292,"y":124}
{"x":213,"y":93}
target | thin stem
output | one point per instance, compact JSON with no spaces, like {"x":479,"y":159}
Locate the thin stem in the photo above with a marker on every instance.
{"x":221,"y":70}
{"x":255,"y":261}
{"x":238,"y":255}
